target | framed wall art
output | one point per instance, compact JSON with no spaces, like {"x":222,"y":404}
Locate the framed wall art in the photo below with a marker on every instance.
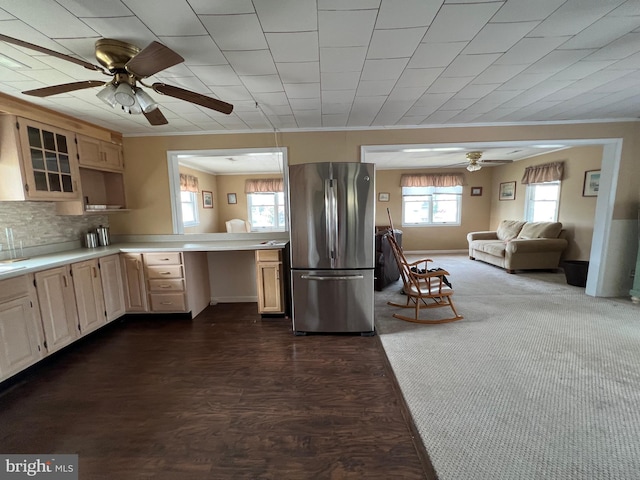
{"x":507,"y":191}
{"x":383,"y":197}
{"x":476,"y":191}
{"x":207,"y":199}
{"x":591,"y":183}
{"x":231,"y":198}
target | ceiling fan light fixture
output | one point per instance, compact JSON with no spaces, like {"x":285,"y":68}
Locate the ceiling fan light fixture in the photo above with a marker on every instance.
{"x":124,"y":95}
{"x":108,"y":95}
{"x":473,"y":167}
{"x":147,"y":104}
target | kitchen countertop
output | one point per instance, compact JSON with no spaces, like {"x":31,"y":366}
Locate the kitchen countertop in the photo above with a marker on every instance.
{"x":52,"y":260}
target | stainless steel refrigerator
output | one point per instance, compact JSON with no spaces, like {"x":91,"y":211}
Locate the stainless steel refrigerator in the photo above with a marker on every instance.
{"x":332,"y":216}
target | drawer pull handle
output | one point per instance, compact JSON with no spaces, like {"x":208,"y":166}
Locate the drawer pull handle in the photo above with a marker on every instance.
{"x":166,"y":303}
{"x":165,"y":286}
{"x":164,"y":259}
{"x":165,"y":273}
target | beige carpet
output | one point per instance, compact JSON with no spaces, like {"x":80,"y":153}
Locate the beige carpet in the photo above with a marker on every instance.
{"x":539,"y":381}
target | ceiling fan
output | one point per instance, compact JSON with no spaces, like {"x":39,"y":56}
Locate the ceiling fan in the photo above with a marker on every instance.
{"x":476,"y":162}
{"x":127,"y":65}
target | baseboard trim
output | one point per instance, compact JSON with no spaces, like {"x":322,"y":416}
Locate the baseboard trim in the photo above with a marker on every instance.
{"x":239,"y":299}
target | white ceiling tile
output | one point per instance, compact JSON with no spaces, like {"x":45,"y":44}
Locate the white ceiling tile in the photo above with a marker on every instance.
{"x":338,"y":96}
{"x":47,"y":77}
{"x":335,"y":120}
{"x":430,"y":55}
{"x":529,"y":50}
{"x":455,"y":23}
{"x":498,"y":73}
{"x":388,"y":69}
{"x":574,"y":16}
{"x":603,"y":32}
{"x":632,"y":62}
{"x":346,"y":28}
{"x":470,"y":65}
{"x":411,"y":120}
{"x":126,"y":29}
{"x":251,"y":62}
{"x":219,"y":75}
{"x":526,"y":10}
{"x":430,"y":101}
{"x":232,"y":93}
{"x":442,"y":116}
{"x":628,"y":8}
{"x":300,"y":15}
{"x":272,"y":99}
{"x":299,"y":72}
{"x":302,"y":90}
{"x":336,"y":108}
{"x":47,"y":17}
{"x":197,"y":50}
{"x":536,"y":93}
{"x":294,"y":47}
{"x":498,"y":37}
{"x":477,"y":91}
{"x":161,"y":18}
{"x":374,"y":88}
{"x":309,"y":119}
{"x":350,"y":5}
{"x":96,"y":8}
{"x":305,"y":103}
{"x":221,"y":7}
{"x":391,"y":112}
{"x":449,"y":84}
{"x":235,"y":32}
{"x":618,"y":49}
{"x":458,"y":103}
{"x":191,"y":83}
{"x":418,"y":77}
{"x":9,"y":75}
{"x":340,"y":81}
{"x":395,"y":43}
{"x":262,"y":83}
{"x":342,"y":59}
{"x":581,"y":69}
{"x":406,"y":13}
{"x":402,"y":94}
{"x":557,"y":60}
{"x":524,"y":81}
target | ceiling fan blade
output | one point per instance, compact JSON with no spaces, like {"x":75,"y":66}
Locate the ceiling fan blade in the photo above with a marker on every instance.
{"x":64,"y":88}
{"x":193,"y":97}
{"x":53,"y":53}
{"x":154,"y":58}
{"x":156,"y":117}
{"x":496,"y":161}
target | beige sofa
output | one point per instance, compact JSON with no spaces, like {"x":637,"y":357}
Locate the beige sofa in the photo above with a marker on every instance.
{"x":518,"y":245}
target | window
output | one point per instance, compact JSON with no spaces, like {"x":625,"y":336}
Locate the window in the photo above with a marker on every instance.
{"x":266,"y":211}
{"x":431,"y":205}
{"x":543,"y":201}
{"x":189,"y":202}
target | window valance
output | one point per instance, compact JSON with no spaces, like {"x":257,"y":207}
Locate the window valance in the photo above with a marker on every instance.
{"x":549,"y":172}
{"x":188,"y":183}
{"x":431,"y":180}
{"x":258,"y":185}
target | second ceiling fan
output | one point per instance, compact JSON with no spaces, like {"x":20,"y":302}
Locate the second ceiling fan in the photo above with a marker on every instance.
{"x":127,"y":65}
{"x":475,"y":161}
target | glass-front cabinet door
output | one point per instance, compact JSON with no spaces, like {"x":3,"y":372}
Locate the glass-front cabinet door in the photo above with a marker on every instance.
{"x":50,"y":161}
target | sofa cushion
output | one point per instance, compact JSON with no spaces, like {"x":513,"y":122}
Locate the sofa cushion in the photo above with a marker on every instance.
{"x":509,"y":229}
{"x":491,"y":247}
{"x":540,"y":230}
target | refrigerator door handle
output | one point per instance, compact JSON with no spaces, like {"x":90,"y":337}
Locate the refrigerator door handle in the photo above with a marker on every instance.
{"x":331,"y":219}
{"x":334,"y":277}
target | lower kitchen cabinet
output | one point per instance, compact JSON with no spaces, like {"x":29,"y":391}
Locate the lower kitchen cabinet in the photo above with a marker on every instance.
{"x":111,"y":276}
{"x":135,"y":291}
{"x":166,"y":282}
{"x":269,"y":278}
{"x":58,"y":309}
{"x":21,"y":338}
{"x":87,"y":286}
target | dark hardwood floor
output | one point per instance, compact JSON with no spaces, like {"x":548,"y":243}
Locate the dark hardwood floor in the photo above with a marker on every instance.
{"x":227,"y":395}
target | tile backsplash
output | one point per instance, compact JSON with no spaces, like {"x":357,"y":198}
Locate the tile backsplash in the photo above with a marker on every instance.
{"x":36,"y":224}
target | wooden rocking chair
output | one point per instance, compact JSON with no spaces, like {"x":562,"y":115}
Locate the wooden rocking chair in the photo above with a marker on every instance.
{"x":423,"y":290}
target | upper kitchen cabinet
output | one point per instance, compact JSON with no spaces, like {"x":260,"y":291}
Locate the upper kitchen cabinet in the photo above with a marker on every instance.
{"x":94,"y":153}
{"x":37,"y":161}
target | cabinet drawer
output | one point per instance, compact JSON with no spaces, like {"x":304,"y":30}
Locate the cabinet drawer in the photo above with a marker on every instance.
{"x":166,"y":285}
{"x":268,"y":255}
{"x":169,"y":258}
{"x":14,"y":288}
{"x":167,"y":302}
{"x":165,"y":271}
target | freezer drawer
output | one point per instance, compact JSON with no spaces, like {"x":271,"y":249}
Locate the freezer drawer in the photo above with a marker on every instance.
{"x":332,"y":301}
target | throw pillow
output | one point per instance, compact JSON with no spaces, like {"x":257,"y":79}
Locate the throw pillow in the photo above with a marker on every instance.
{"x":540,"y":230}
{"x":509,"y":229}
